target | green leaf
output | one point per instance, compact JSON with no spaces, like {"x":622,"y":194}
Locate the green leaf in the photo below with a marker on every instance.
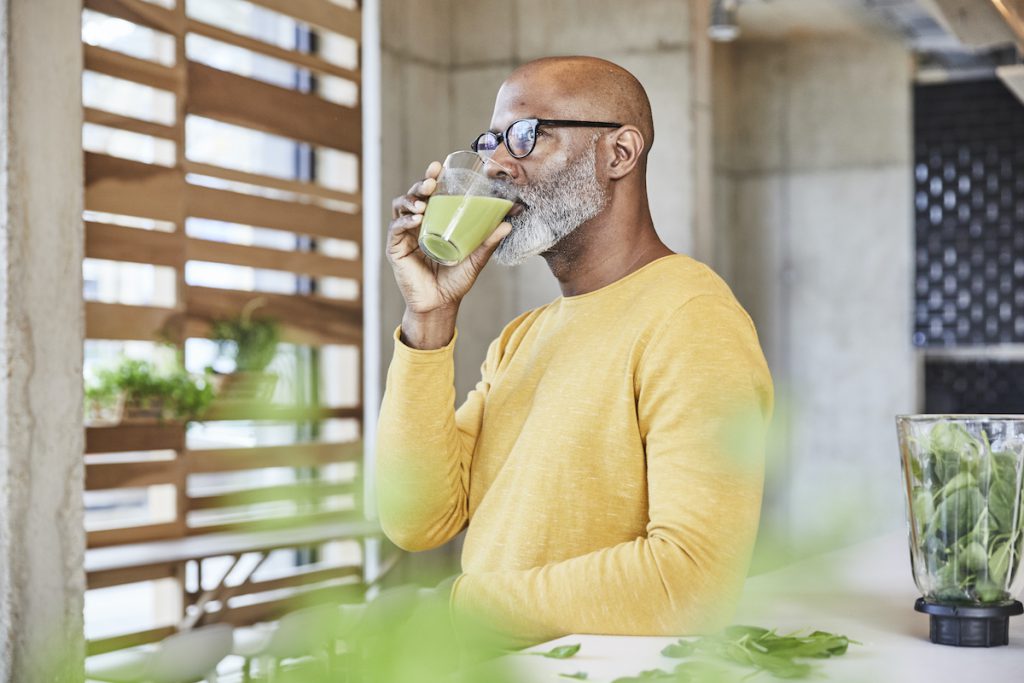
{"x":579,"y":675}
{"x":560,"y":652}
{"x":680,"y":649}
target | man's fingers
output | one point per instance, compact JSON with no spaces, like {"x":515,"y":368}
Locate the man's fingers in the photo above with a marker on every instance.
{"x":424,"y":188}
{"x":404,"y":224}
{"x":407,"y":204}
{"x":498,"y":235}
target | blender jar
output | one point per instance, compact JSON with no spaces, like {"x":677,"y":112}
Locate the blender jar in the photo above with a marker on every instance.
{"x":964,"y":478}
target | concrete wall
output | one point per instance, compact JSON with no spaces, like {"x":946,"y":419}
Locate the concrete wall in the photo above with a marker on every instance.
{"x":42,"y":536}
{"x":814,"y":225}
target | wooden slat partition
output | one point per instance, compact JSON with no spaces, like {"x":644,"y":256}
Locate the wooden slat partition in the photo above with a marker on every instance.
{"x":347,"y":22}
{"x":308,"y":219}
{"x":298,"y":58}
{"x":306,"y":263}
{"x":135,"y":437}
{"x":243,"y":101}
{"x":142,"y":13}
{"x":304,"y":320}
{"x":215,"y":512}
{"x":122,"y":186}
{"x":117,"y":243}
{"x":119,"y":65}
{"x":132,"y":125}
{"x":296,"y":186}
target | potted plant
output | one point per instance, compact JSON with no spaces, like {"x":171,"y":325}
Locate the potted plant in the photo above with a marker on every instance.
{"x":248,"y":344}
{"x":136,"y":391}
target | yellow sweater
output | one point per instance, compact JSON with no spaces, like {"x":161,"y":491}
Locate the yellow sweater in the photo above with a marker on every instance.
{"x":609,"y":463}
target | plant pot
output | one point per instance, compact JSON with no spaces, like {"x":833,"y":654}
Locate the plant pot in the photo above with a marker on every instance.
{"x":144,"y":411}
{"x":104,"y":414}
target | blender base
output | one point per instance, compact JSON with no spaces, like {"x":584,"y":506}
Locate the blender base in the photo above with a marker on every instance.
{"x":969,"y":626}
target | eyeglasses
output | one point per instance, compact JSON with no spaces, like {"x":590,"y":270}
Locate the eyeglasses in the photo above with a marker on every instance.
{"x":521,"y":136}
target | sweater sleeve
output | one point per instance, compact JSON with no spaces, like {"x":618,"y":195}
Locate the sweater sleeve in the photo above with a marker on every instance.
{"x":425,"y":446}
{"x":703,"y":398}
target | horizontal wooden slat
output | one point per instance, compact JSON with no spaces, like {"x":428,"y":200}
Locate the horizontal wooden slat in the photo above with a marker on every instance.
{"x":263,"y":411}
{"x":139,"y":12}
{"x":304,"y":263}
{"x":120,"y":65}
{"x":312,"y":491}
{"x":117,"y":475}
{"x":308,"y":219}
{"x":170,"y":436}
{"x":116,"y":243}
{"x":322,"y":13}
{"x":103,"y":645}
{"x":119,"y":577}
{"x":152,"y":553}
{"x":276,"y":523}
{"x":295,"y":186}
{"x":299,"y":578}
{"x":246,"y":102}
{"x":133,"y":534}
{"x":274,"y":609}
{"x":299,"y":58}
{"x":133,"y":125}
{"x":304,"y":319}
{"x":133,"y":188}
{"x":258,"y":457}
{"x":118,"y":321}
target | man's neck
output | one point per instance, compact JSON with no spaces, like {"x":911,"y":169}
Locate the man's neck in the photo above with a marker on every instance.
{"x":604,"y":250}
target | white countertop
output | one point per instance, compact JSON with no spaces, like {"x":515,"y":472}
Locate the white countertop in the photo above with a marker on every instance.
{"x":865,"y":592}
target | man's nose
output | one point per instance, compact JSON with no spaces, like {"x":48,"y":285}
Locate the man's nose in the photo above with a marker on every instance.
{"x":502,"y":164}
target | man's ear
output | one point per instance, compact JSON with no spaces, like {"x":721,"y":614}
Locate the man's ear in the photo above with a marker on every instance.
{"x":626,"y":146}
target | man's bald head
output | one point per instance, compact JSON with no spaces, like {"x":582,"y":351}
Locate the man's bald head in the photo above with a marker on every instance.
{"x":584,"y":88}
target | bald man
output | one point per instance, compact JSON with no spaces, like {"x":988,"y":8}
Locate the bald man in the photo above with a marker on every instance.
{"x":609,"y":463}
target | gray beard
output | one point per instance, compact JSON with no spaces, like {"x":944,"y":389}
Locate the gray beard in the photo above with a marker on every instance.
{"x":557,"y":206}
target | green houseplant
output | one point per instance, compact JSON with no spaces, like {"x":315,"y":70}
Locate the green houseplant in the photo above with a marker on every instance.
{"x":137,"y":391}
{"x":249,"y":344}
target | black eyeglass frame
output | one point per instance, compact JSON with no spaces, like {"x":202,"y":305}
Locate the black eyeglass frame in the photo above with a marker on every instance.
{"x":502,"y":138}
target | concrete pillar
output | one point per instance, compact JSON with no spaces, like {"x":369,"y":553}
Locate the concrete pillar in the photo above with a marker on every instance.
{"x":42,"y":537}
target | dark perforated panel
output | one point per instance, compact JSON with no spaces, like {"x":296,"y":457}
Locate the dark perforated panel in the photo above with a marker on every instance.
{"x":969,"y":207}
{"x":977,"y":386}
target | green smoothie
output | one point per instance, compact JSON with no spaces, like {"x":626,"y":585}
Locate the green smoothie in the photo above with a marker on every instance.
{"x":455,"y":225}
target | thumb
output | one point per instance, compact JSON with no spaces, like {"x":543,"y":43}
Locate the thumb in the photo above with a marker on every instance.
{"x":482,"y":254}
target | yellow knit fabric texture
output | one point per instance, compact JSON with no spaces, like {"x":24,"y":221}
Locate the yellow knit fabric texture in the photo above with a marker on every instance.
{"x":609,"y":463}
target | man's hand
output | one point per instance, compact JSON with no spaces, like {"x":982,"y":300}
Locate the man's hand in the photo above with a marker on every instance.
{"x":432,"y":292}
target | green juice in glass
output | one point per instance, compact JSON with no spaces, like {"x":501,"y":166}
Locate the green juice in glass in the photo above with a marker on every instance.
{"x":455,"y":225}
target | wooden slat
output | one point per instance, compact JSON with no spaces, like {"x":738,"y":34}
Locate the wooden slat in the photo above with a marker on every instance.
{"x":246,"y":102}
{"x":311,"y":189}
{"x":308,"y":219}
{"x":139,"y":12}
{"x":300,"y":58}
{"x":103,"y":645}
{"x":305,"y":263}
{"x":258,"y":457}
{"x":276,"y":523}
{"x":117,"y":243}
{"x":118,"y":321}
{"x":119,"y":577}
{"x":322,"y":13}
{"x":311,"y":491}
{"x":304,"y":319}
{"x":274,"y":609}
{"x":133,"y":125}
{"x":170,"y":436}
{"x":132,"y":188}
{"x":133,"y":534}
{"x":299,"y":578}
{"x":117,"y":475}
{"x":120,"y":65}
{"x":263,"y":411}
